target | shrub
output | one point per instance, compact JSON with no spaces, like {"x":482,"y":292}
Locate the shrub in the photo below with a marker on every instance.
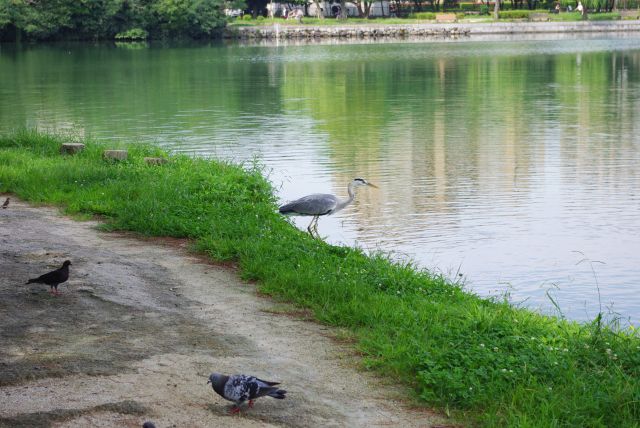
{"x":132,"y":34}
{"x":563,"y":17}
{"x":260,"y":18}
{"x":423,"y":15}
{"x":484,"y":10}
{"x":247,"y":17}
{"x":467,"y":7}
{"x":514,"y":14}
{"x":608,"y":16}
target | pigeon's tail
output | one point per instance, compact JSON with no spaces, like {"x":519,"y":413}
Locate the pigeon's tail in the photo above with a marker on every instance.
{"x":277,"y":393}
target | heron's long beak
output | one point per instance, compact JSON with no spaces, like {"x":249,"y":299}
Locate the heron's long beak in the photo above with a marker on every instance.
{"x":373,"y":185}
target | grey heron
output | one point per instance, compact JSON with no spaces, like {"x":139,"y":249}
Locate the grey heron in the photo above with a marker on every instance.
{"x":320,"y":204}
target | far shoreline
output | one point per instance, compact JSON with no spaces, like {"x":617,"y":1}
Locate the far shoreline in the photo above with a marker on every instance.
{"x":426,"y":31}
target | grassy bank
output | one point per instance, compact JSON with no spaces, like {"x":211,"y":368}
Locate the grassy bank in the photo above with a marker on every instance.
{"x":427,"y":18}
{"x":485,"y":361}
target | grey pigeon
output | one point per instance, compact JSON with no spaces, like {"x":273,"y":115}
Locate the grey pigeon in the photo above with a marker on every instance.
{"x":240,"y":388}
{"x":53,"y":278}
{"x":148,"y":425}
{"x":6,"y":203}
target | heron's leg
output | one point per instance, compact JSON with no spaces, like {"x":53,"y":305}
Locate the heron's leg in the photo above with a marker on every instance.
{"x":310,"y":227}
{"x":315,"y":228}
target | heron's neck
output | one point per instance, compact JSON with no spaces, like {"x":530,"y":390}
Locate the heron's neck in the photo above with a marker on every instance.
{"x":344,"y":202}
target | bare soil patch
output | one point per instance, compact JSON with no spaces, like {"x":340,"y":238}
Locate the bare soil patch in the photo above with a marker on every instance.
{"x":140,"y":325}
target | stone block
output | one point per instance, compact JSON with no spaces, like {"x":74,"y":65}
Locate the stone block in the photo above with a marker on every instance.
{"x":539,"y":17}
{"x":445,"y":17}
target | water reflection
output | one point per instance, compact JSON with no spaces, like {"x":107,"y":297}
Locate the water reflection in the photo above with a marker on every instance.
{"x":515,"y":163}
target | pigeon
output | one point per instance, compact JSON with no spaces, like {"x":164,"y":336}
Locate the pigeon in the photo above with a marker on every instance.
{"x":148,"y":425}
{"x":6,"y":203}
{"x":53,"y":278}
{"x":240,"y":388}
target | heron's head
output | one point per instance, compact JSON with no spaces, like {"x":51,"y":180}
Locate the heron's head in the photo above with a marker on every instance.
{"x":362,"y":182}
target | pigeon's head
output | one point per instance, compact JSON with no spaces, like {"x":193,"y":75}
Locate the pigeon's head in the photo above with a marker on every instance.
{"x":148,"y":425}
{"x":66,"y":263}
{"x":217,"y":379}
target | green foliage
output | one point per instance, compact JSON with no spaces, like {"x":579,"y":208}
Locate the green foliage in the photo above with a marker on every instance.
{"x":247,"y":17}
{"x":468,"y":7}
{"x":484,"y":10}
{"x":607,"y":16}
{"x":104,"y":19}
{"x":515,"y":14}
{"x":133,"y":34}
{"x":423,"y":15}
{"x":196,"y":18}
{"x":565,"y":17}
{"x":483,"y":359}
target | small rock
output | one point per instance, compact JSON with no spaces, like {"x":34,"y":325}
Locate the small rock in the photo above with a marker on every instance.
{"x":71,"y":148}
{"x":118,"y":155}
{"x":155,"y":161}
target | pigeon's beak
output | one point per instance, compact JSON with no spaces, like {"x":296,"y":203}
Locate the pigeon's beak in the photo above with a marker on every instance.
{"x":209,"y":381}
{"x":373,"y":185}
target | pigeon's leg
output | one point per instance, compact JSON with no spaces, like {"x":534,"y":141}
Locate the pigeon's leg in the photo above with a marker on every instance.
{"x":250,"y":403}
{"x":235,"y":409}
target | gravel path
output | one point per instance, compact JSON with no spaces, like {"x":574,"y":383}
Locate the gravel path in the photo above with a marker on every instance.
{"x":141,"y":324}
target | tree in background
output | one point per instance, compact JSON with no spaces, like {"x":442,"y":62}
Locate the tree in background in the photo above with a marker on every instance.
{"x":103,"y":19}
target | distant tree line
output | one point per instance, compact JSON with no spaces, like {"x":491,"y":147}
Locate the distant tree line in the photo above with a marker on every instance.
{"x":104,"y":19}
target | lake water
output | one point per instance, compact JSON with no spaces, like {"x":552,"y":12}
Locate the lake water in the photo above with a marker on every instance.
{"x":514,"y":163}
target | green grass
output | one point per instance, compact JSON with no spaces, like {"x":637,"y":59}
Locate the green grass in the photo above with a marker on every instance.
{"x":604,"y":16}
{"x":485,"y":361}
{"x":332,"y":21}
{"x":426,"y":17}
{"x":565,"y":17}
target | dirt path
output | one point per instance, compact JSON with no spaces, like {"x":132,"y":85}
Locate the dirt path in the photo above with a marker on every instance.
{"x":140,"y":326}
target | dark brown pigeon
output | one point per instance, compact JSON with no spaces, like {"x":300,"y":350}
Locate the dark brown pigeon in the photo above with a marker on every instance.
{"x":6,"y":203}
{"x":240,"y":388}
{"x":53,"y":278}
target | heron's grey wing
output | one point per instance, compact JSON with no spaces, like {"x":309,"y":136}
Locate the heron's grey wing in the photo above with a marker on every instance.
{"x":316,"y":204}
